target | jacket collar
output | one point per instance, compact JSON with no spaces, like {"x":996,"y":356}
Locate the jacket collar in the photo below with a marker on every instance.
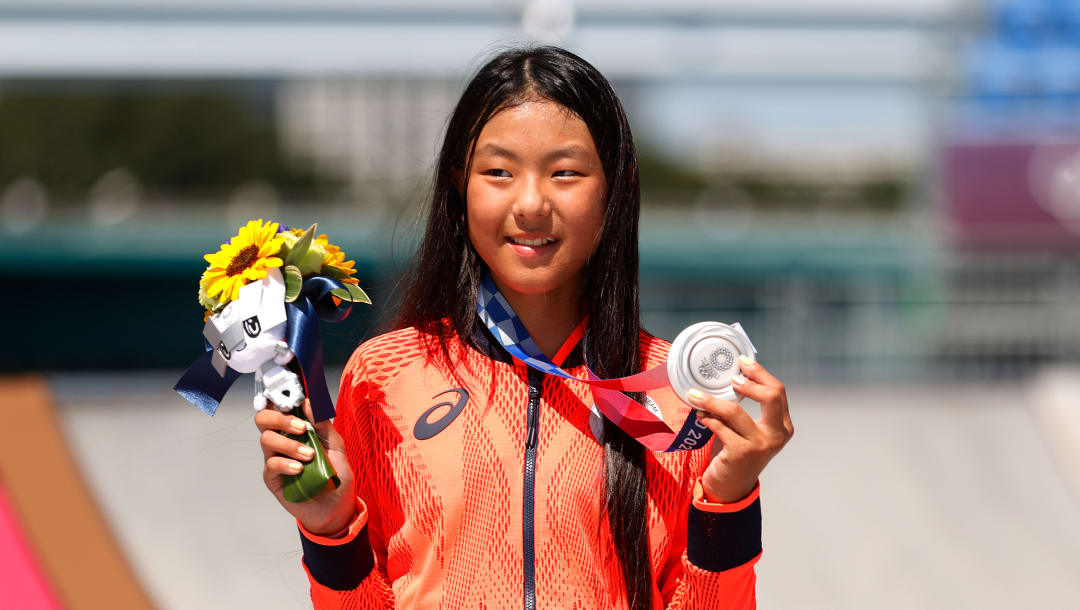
{"x":484,"y":342}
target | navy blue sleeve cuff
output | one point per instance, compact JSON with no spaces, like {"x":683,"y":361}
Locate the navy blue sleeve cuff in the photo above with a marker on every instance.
{"x":342,"y":567}
{"x":721,"y":541}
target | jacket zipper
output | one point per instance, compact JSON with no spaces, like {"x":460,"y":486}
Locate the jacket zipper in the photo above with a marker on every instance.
{"x":536,"y":384}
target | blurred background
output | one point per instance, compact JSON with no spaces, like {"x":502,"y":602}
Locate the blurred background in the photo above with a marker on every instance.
{"x":885,"y":194}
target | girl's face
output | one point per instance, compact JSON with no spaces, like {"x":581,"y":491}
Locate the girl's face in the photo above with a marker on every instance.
{"x":535,"y":199}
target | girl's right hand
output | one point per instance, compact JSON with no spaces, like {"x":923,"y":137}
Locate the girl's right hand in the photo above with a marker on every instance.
{"x":332,"y":511}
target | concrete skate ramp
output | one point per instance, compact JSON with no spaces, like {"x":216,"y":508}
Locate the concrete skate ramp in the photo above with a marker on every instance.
{"x":889,"y":496}
{"x":66,"y":545}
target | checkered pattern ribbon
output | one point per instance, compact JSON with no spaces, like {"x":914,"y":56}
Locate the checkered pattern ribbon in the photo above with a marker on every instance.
{"x":646,"y":426}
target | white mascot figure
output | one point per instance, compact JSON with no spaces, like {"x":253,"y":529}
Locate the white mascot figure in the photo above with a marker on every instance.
{"x":248,"y":337}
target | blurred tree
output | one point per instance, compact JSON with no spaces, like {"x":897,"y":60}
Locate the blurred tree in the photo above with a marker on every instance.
{"x":886,"y":193}
{"x":882,"y":192}
{"x":658,"y":173}
{"x":179,"y":140}
{"x":675,"y":184}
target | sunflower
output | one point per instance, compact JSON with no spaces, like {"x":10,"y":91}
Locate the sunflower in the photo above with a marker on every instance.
{"x":244,"y":259}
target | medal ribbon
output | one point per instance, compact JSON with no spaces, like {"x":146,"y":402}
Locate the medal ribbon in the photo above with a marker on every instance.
{"x":643,"y":425}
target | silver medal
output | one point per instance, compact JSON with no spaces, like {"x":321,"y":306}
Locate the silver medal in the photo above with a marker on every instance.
{"x":706,"y":356}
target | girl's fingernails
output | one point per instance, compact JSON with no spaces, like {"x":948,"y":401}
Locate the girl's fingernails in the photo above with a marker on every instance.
{"x":296,"y":466}
{"x":744,"y":359}
{"x":696,"y":395}
{"x":305,"y":451}
{"x":738,"y":379}
{"x":298,"y":425}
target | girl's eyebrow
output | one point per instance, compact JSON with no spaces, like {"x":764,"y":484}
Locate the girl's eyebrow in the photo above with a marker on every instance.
{"x":496,"y":151}
{"x":573,"y":150}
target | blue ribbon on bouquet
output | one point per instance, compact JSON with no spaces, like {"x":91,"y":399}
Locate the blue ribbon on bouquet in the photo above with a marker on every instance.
{"x":203,"y":387}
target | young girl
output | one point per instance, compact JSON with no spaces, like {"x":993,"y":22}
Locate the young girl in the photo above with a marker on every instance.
{"x":472,"y":480}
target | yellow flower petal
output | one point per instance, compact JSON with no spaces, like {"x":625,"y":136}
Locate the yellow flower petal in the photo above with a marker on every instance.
{"x":219,"y":286}
{"x":254,"y":274}
{"x":271,"y":248}
{"x":206,"y":280}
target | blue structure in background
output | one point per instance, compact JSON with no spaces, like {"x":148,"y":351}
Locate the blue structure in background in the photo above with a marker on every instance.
{"x":1023,"y":72}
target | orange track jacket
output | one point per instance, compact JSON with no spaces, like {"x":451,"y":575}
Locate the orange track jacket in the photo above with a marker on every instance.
{"x":483,"y":488}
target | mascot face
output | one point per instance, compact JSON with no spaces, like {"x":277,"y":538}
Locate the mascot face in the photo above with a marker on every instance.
{"x":244,"y":334}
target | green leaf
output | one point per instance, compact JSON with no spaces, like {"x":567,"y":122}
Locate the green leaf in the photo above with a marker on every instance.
{"x":333,"y":272}
{"x":352,"y":294}
{"x":318,"y":475}
{"x":300,"y":248}
{"x":293,"y":282}
{"x":311,"y":262}
{"x":358,"y":295}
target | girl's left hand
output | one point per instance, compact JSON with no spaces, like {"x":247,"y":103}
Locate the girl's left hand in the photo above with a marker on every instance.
{"x":745,"y":445}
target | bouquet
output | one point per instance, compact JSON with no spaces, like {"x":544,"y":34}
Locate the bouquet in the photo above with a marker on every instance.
{"x":264,"y":293}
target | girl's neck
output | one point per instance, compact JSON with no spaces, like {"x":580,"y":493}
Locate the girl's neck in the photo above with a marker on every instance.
{"x":549,"y":317}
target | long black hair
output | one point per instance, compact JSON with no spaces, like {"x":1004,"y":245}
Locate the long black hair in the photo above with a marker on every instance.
{"x":447,"y":264}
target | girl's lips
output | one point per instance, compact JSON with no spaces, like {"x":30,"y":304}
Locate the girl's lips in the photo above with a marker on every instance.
{"x":531,"y":251}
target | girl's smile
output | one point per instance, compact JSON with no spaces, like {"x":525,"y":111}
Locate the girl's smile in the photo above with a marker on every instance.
{"x":532,"y":246}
